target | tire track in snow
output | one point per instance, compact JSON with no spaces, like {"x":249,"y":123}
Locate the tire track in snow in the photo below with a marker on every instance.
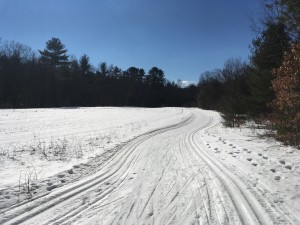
{"x":203,"y":192}
{"x":80,"y":211}
{"x":213,"y":201}
{"x":243,"y":207}
{"x":216,"y":194}
{"x":248,"y":207}
{"x":17,"y":215}
{"x":186,"y":160}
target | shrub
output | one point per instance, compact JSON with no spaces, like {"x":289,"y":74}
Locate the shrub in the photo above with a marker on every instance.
{"x":286,"y":85}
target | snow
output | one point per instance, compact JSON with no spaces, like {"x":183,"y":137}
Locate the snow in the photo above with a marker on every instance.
{"x":142,"y":166}
{"x":271,"y":167}
{"x":90,"y":130}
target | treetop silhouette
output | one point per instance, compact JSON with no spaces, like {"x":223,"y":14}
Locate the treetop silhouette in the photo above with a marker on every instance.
{"x":55,"y":53}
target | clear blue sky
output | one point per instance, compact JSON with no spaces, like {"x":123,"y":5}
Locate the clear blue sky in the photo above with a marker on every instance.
{"x":182,"y":37}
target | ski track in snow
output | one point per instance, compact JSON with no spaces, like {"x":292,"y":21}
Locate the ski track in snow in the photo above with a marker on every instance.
{"x":166,"y":176}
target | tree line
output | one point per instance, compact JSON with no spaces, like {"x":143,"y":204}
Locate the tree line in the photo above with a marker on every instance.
{"x":267,"y":89}
{"x":54,"y":79}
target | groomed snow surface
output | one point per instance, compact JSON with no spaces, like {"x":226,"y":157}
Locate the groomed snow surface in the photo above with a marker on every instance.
{"x":142,"y":166}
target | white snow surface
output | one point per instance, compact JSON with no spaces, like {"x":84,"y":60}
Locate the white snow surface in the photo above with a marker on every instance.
{"x":109,"y":165}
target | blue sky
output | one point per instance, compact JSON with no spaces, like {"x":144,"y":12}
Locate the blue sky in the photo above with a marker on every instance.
{"x":183,"y":37}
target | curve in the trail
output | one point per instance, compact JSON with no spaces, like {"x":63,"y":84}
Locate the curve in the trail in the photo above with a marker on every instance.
{"x":249,"y":205}
{"x":166,"y":176}
{"x":249,"y":209}
{"x":23,"y":212}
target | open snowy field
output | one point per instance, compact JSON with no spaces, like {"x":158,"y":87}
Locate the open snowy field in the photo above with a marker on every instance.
{"x":53,"y":140}
{"x":141,"y":166}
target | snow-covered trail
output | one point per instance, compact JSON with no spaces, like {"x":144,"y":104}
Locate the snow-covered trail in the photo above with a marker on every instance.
{"x":167,"y":176}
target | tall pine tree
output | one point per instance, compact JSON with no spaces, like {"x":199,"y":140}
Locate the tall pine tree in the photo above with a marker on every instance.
{"x":55,"y":53}
{"x":267,"y":54}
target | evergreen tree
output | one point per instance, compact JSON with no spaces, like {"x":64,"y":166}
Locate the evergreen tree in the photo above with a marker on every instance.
{"x":115,"y":72}
{"x":103,"y":70}
{"x":84,"y":64}
{"x":290,"y":15}
{"x":267,"y":54}
{"x":235,"y":91}
{"x":55,"y":53}
{"x":132,"y":73}
{"x":210,"y":90}
{"x":140,"y":75}
{"x":155,"y":78}
{"x":74,"y":65}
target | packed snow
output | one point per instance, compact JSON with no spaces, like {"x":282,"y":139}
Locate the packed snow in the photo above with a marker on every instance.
{"x":111,"y":165}
{"x":53,"y":140}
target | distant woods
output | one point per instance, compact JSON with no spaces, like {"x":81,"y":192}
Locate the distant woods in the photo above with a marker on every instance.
{"x":267,"y":89}
{"x":54,"y":79}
